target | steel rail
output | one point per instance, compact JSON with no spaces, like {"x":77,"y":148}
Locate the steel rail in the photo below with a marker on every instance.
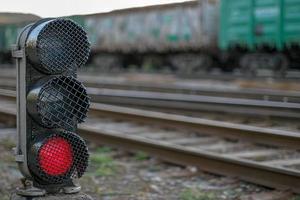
{"x":224,"y":129}
{"x":291,"y":75}
{"x":263,"y":174}
{"x":8,"y":82}
{"x":196,"y":103}
{"x":233,"y":92}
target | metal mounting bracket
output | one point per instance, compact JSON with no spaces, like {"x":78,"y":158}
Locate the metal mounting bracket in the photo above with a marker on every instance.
{"x":19,"y":158}
{"x":73,"y":187}
{"x":29,"y":190}
{"x":17,"y":53}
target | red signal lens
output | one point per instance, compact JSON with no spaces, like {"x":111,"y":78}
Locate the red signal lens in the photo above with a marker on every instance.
{"x":56,"y":156}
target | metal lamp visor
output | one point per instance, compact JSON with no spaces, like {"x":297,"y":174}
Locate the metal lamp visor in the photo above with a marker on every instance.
{"x":56,"y":45}
{"x":31,"y":43}
{"x":33,"y":97}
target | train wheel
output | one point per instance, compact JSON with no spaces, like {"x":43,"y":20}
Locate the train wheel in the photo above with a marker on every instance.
{"x":249,"y":65}
{"x":191,"y":63}
{"x":276,"y":64}
{"x":282,"y":65}
{"x":154,"y":64}
{"x":107,"y":63}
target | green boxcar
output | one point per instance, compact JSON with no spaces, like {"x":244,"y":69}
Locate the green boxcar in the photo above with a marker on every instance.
{"x":256,"y":23}
{"x":79,"y":19}
{"x":8,"y":35}
{"x":2,"y":39}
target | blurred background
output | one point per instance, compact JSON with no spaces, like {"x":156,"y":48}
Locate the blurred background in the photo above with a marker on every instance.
{"x":215,"y":82}
{"x":185,"y":38}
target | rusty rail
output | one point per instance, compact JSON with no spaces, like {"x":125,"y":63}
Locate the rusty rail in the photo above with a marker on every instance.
{"x":260,"y":173}
{"x":223,"y":129}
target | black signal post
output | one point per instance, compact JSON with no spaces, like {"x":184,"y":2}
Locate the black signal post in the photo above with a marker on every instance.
{"x":50,"y":104}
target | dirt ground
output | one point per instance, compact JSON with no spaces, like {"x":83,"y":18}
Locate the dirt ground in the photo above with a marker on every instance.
{"x":115,"y":174}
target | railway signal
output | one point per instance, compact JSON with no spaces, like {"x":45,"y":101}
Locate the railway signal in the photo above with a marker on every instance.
{"x":50,"y":104}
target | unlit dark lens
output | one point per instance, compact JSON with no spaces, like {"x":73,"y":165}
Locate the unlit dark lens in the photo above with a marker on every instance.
{"x":62,"y":102}
{"x":61,"y":45}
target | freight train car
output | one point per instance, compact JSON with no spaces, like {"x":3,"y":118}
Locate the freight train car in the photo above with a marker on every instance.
{"x":253,"y":35}
{"x":10,"y":26}
{"x":261,"y":34}
{"x":8,"y":35}
{"x":192,"y":37}
{"x":180,"y":37}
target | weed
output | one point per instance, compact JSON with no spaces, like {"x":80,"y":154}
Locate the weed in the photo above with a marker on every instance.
{"x":7,"y":143}
{"x":104,"y":149}
{"x":105,"y":171}
{"x":140,"y":156}
{"x":101,"y":159}
{"x":104,"y":164}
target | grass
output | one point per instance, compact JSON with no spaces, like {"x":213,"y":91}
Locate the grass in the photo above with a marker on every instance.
{"x":296,"y":198}
{"x":104,"y":164}
{"x":105,"y":171}
{"x":101,"y":159}
{"x":196,"y":194}
{"x":141,"y":156}
{"x":8,"y":159}
{"x":7,"y":143}
{"x":104,"y":149}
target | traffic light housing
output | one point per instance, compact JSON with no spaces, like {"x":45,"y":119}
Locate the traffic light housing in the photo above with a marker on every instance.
{"x":50,"y":104}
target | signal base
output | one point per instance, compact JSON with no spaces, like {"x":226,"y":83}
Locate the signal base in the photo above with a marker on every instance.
{"x":72,"y":190}
{"x":79,"y":196}
{"x":29,"y":190}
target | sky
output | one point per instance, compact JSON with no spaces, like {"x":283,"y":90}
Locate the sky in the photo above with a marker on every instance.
{"x":56,"y":8}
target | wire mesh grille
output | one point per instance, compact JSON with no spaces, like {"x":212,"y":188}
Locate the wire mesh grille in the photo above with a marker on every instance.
{"x":62,"y":44}
{"x":56,"y":156}
{"x":62,"y":102}
{"x":52,"y":147}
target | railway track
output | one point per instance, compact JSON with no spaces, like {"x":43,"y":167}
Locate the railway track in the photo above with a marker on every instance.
{"x":195,"y":103}
{"x":194,"y":89}
{"x":263,"y":156}
{"x":289,"y":76}
{"x":186,"y":87}
{"x":191,"y":104}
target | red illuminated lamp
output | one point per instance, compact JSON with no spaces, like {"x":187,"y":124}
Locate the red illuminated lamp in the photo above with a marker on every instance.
{"x":56,"y":156}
